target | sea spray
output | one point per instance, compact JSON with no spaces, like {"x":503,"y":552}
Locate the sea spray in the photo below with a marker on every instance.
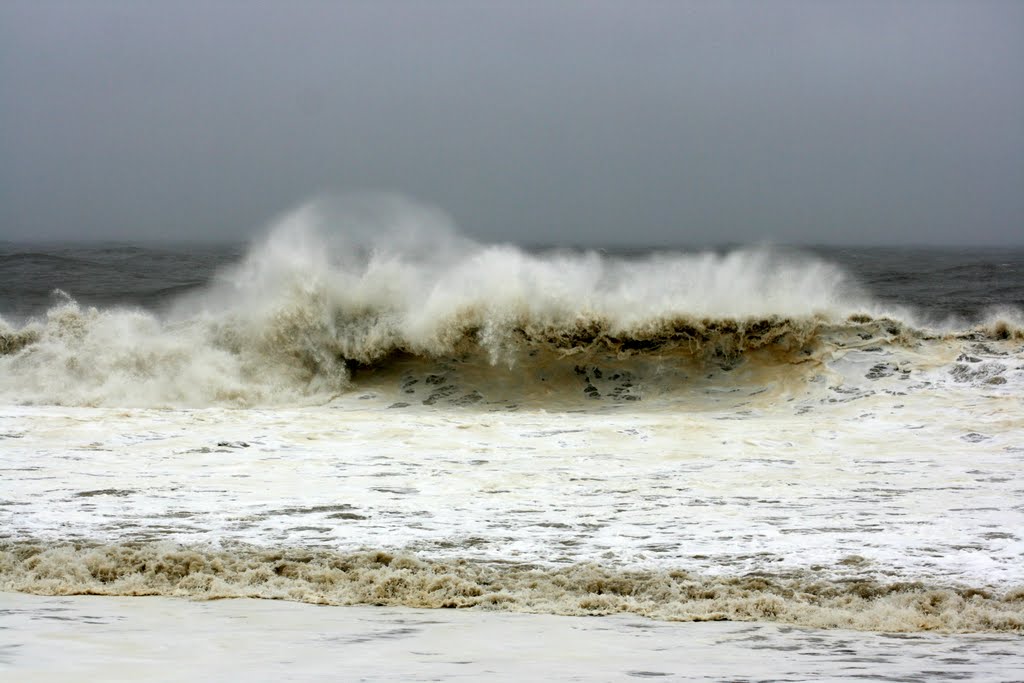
{"x":338,"y":286}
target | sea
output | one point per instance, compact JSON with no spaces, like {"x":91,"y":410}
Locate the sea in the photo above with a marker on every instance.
{"x":374,"y":449}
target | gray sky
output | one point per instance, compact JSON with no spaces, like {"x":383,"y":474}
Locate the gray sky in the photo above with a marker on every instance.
{"x":557,"y":122}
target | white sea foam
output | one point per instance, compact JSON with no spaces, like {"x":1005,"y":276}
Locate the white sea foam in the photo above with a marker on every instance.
{"x":731,"y":435}
{"x":875,"y":511}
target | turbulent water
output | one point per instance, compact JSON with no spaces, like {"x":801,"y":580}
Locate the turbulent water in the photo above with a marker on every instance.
{"x":366,"y":408}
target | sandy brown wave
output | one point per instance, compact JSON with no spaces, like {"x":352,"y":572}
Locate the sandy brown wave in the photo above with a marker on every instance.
{"x":301,"y":354}
{"x":379,"y":578}
{"x":12,"y":341}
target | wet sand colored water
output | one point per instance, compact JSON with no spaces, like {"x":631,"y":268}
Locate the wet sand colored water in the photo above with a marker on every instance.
{"x":166,"y":639}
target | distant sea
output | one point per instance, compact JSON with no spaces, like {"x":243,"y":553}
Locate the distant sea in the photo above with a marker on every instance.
{"x":823,"y":447}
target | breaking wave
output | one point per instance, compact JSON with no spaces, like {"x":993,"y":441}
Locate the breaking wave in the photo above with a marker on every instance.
{"x":379,"y":578}
{"x":339,"y":287}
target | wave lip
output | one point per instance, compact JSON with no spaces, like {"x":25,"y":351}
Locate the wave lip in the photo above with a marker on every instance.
{"x":379,"y":578}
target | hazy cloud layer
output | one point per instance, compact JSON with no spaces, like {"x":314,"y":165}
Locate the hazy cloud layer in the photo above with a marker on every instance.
{"x":564,"y":122}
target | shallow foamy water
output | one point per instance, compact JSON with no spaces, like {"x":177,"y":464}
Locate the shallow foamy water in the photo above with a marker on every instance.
{"x":166,"y":639}
{"x":882,"y":510}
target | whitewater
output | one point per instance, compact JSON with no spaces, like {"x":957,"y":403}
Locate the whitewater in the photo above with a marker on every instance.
{"x":366,"y":408}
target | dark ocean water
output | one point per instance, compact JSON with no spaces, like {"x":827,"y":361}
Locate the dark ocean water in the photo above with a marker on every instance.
{"x":104,"y":274}
{"x":937,"y":283}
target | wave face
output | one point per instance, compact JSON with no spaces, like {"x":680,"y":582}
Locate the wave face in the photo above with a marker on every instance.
{"x":340,"y":288}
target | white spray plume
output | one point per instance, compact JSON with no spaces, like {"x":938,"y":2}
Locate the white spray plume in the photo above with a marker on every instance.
{"x":359,"y":277}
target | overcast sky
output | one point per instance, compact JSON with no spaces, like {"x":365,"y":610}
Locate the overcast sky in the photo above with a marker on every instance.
{"x":539,"y":122}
